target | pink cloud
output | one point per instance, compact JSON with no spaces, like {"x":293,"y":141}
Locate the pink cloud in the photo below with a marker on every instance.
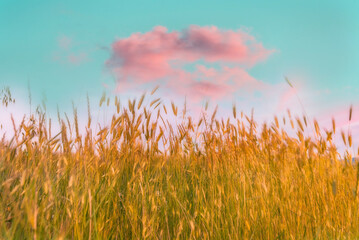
{"x":161,"y":55}
{"x":77,"y":58}
{"x":66,"y":54}
{"x":286,"y":98}
{"x":213,"y":83}
{"x":71,"y":58}
{"x":341,"y":116}
{"x":65,"y":42}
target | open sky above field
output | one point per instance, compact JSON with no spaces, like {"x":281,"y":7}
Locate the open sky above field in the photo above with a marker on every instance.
{"x":224,"y":51}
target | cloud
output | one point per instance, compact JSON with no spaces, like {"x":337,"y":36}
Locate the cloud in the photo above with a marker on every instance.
{"x":160,"y":55}
{"x":286,"y":98}
{"x":77,"y":58}
{"x":66,"y":54}
{"x":71,"y":58}
{"x":341,"y":116}
{"x":215,"y":84}
{"x":65,"y":42}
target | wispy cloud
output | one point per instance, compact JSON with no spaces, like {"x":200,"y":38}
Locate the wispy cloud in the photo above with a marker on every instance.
{"x":64,"y":42}
{"x":77,"y":58}
{"x":160,"y":55}
{"x":66,"y":53}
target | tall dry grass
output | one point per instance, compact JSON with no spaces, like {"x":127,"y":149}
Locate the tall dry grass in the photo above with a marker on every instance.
{"x":143,"y":177}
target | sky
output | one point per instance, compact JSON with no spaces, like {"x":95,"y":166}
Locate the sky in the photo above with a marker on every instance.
{"x":222,"y":51}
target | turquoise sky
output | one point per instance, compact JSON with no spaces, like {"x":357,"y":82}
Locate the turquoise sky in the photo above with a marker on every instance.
{"x":317,"y":40}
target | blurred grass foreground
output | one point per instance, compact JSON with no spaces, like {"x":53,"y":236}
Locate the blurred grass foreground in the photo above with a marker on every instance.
{"x":145,"y":177}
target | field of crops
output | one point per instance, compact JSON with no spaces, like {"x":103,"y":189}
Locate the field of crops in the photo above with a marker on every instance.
{"x":145,"y":177}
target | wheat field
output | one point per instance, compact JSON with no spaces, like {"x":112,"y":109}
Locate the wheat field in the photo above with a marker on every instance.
{"x":145,"y":177}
